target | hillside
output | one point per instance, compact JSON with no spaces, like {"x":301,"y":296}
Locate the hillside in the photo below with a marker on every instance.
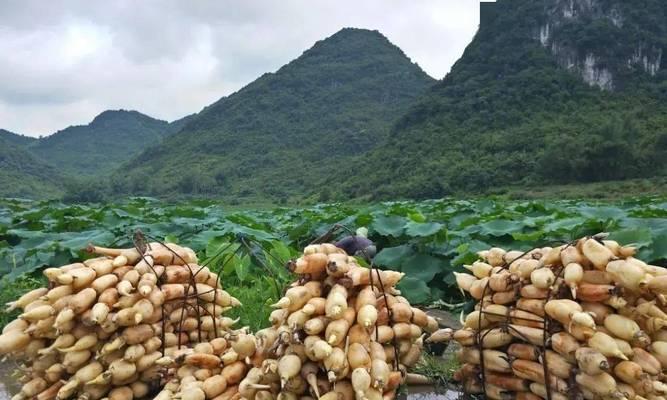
{"x":113,"y":137}
{"x":550,"y":93}
{"x":547,"y":92}
{"x":177,"y":125}
{"x":16,"y":139}
{"x":23,"y":175}
{"x":286,"y":134}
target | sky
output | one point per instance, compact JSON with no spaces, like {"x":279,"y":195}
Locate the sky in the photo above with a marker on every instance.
{"x":64,"y":62}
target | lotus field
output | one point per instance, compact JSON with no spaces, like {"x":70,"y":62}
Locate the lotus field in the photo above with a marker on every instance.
{"x":427,"y":240}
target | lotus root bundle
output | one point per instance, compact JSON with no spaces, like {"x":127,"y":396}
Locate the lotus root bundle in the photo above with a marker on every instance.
{"x":110,"y":326}
{"x":214,"y":369}
{"x":341,"y":332}
{"x":239,"y":364}
{"x":582,"y":320}
{"x":320,"y":343}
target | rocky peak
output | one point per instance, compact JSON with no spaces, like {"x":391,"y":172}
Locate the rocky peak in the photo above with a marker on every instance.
{"x":601,"y":40}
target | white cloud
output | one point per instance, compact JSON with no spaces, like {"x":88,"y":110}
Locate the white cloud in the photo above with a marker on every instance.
{"x":65,"y":62}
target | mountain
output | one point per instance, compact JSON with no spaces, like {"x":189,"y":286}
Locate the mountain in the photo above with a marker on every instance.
{"x":287,"y":133}
{"x":15,"y":138}
{"x":177,"y":125}
{"x":611,"y":44}
{"x":23,"y":175}
{"x":113,"y":137}
{"x":549,"y":91}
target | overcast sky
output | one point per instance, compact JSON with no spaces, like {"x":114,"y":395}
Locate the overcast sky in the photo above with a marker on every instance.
{"x":64,"y":62}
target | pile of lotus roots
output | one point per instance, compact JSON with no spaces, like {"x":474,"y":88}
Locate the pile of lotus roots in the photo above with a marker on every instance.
{"x":344,"y":332}
{"x":582,"y":320}
{"x":141,"y":323}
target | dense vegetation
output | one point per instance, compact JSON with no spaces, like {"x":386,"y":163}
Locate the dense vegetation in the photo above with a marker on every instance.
{"x":285,"y":134}
{"x":75,"y":161}
{"x":509,"y":113}
{"x":619,"y":33}
{"x":24,"y":175}
{"x":426,"y":240}
{"x":15,"y":139}
{"x":112,"y":138}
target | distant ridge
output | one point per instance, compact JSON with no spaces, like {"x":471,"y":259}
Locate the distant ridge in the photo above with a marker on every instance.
{"x":285,"y":134}
{"x":15,"y":138}
{"x":113,"y":137}
{"x":23,"y":175}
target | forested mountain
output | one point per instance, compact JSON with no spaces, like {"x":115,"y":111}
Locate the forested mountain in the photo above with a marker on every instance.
{"x":14,"y":138}
{"x":113,"y":137}
{"x":287,"y":133}
{"x":548,"y":91}
{"x":177,"y":125}
{"x":23,"y":175}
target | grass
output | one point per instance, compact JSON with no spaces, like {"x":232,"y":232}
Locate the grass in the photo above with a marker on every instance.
{"x":256,"y":299}
{"x":438,"y":369}
{"x":11,"y":291}
{"x":608,"y":190}
{"x":256,"y":290}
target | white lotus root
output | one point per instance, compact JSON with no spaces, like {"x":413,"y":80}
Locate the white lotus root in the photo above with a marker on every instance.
{"x":586,"y":312}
